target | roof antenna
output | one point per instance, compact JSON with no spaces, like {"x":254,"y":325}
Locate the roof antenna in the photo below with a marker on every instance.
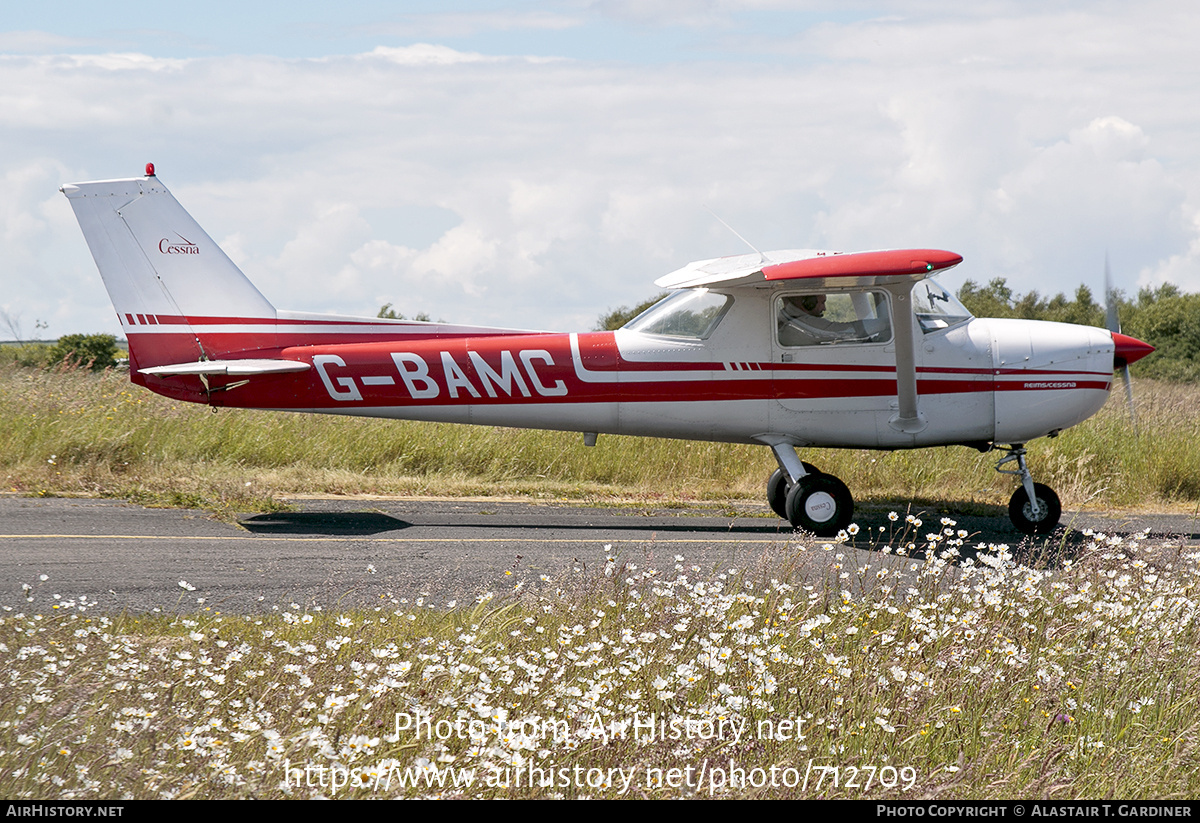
{"x":762,"y":258}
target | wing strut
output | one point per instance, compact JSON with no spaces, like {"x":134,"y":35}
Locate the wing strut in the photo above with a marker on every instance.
{"x":908,"y":418}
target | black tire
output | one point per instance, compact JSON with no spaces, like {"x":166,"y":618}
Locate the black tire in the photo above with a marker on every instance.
{"x":1021,"y":516}
{"x":821,"y":504}
{"x":778,"y":487}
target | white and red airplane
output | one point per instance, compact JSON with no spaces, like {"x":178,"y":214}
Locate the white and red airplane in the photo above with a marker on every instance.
{"x":788,"y":349}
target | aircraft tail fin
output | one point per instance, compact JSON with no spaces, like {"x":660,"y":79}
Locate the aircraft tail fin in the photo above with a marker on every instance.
{"x":165,"y":275}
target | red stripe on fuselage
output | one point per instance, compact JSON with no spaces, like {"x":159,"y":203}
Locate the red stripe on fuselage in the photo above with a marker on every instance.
{"x":458,"y":370}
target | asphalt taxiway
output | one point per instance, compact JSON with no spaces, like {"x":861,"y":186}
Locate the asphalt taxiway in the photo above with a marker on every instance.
{"x":335,"y":552}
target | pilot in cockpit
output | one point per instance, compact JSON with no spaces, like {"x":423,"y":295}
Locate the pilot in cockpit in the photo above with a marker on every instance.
{"x":801,"y":322}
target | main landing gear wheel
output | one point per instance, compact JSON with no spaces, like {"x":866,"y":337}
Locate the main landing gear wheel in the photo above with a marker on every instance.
{"x":1021,"y":512}
{"x":821,"y":504}
{"x":778,"y":487}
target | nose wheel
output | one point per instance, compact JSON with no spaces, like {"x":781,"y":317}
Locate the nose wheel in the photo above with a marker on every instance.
{"x":1030,"y":519}
{"x":1034,"y":507}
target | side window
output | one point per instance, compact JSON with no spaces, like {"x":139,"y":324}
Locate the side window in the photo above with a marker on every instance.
{"x":826,"y":319}
{"x":936,"y":308}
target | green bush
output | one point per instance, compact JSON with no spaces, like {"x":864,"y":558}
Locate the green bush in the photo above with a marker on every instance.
{"x":95,"y":351}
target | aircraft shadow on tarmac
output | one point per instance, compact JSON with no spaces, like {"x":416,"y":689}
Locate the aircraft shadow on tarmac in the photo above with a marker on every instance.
{"x":326,"y":524}
{"x":877,"y":535}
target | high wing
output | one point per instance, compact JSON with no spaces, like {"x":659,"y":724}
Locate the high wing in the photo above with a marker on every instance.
{"x":864,"y":268}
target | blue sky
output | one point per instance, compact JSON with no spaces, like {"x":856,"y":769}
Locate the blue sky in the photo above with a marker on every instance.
{"x":624,"y":31}
{"x":537,"y":163}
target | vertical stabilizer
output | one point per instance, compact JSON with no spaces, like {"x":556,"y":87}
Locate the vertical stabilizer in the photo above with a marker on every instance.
{"x":176,"y":293}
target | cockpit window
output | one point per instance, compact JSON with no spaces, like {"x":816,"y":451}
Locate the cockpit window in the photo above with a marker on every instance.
{"x":687,"y":313}
{"x":936,"y":308}
{"x":817,"y":319}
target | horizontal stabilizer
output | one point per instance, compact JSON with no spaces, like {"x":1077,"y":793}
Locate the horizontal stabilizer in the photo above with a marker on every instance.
{"x":231,"y":367}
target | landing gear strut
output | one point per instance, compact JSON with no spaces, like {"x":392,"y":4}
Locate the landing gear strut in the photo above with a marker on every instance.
{"x":806,"y":497}
{"x":1033,"y":508}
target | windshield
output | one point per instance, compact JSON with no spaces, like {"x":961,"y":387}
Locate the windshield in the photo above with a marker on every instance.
{"x":687,"y":313}
{"x":936,"y":308}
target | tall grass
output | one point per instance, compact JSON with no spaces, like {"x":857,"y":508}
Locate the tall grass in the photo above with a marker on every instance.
{"x":68,"y":431}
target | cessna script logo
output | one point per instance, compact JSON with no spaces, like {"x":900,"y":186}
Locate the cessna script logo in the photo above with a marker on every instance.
{"x":166,"y":246}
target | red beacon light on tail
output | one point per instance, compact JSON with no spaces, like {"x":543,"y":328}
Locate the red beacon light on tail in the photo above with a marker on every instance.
{"x":149,"y":169}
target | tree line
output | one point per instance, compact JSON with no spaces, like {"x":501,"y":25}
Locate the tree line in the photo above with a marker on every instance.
{"x":88,"y":351}
{"x":1164,"y":317}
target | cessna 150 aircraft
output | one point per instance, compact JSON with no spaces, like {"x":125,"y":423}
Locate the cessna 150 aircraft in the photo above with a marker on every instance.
{"x":787,"y":349}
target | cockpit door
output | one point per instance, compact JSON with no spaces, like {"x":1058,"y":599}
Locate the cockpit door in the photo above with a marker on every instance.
{"x":833,"y":363}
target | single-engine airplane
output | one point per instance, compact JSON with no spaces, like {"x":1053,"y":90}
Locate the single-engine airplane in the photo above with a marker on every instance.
{"x":788,"y":349}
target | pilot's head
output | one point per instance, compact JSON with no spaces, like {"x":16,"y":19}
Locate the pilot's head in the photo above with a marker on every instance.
{"x":810,"y":304}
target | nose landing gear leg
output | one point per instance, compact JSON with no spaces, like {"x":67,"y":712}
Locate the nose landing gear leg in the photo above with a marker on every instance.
{"x":1033,"y":508}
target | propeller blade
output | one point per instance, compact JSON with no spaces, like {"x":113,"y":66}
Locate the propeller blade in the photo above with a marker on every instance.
{"x":1129,"y":397}
{"x":1126,"y":349}
{"x":1112,"y":321}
